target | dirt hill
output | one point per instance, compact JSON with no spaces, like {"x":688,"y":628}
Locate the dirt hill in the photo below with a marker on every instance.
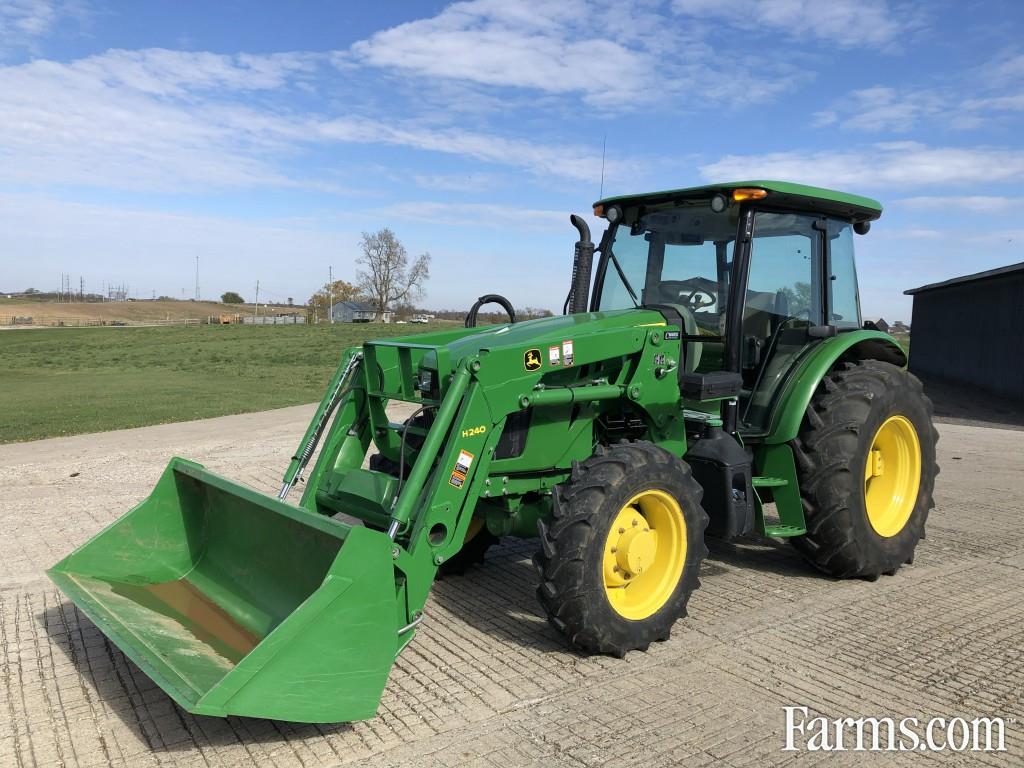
{"x":45,"y":312}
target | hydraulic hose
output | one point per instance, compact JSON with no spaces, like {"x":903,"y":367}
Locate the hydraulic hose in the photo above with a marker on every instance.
{"x":490,"y":298}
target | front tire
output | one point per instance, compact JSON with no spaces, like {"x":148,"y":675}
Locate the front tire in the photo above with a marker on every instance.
{"x":622,"y":552}
{"x":865,"y":458}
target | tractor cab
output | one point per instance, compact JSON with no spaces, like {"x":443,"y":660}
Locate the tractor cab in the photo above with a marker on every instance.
{"x":753,"y":273}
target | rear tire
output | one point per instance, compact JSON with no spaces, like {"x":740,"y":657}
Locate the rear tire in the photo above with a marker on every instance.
{"x":866,"y":418}
{"x":598,"y":549}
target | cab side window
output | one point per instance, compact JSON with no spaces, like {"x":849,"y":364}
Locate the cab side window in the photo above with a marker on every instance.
{"x":844,"y":307}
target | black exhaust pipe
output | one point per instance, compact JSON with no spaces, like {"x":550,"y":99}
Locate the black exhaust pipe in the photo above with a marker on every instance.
{"x":582,"y":267}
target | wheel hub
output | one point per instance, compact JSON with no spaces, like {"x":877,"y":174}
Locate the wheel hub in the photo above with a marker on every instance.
{"x":633,"y":543}
{"x":892,"y":475}
{"x":644,"y":554}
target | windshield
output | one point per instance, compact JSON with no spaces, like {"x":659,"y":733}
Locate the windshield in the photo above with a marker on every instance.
{"x":680,"y":257}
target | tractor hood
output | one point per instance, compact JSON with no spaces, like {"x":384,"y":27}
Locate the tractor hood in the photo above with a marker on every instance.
{"x":541,"y":333}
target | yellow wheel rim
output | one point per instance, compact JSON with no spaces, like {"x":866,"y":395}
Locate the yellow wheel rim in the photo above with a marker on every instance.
{"x":892,"y":475}
{"x":644,"y":554}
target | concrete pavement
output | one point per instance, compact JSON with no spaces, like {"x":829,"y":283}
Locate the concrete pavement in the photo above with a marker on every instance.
{"x":487,"y":682}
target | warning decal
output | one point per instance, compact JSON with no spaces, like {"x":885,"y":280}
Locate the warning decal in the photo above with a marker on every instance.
{"x":462,"y":465}
{"x":567,"y":356}
{"x":554,"y":355}
{"x":465,"y":459}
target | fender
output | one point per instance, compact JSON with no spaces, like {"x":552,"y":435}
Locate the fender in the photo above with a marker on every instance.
{"x":799,"y":389}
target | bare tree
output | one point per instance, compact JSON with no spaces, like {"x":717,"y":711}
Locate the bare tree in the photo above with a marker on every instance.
{"x":386,"y":276}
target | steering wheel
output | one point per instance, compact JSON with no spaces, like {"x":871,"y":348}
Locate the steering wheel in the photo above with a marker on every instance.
{"x":695,"y":302}
{"x":490,"y":298}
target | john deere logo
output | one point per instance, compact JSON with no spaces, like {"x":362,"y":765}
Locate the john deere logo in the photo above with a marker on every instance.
{"x":531,"y":359}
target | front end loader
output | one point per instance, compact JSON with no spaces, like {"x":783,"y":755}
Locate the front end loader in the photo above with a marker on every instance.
{"x":710,"y":377}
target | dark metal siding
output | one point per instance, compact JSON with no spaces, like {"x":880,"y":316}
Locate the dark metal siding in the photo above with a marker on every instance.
{"x":973,"y":333}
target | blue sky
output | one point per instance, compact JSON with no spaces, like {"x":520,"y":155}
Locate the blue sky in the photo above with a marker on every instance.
{"x":264,"y":137}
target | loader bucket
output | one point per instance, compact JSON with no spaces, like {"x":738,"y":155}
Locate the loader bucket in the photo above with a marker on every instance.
{"x":236,"y":603}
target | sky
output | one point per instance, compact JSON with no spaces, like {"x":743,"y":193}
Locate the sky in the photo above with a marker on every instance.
{"x":264,"y":137}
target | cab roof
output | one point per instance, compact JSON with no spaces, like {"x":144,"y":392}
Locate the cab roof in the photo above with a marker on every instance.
{"x":781,"y":194}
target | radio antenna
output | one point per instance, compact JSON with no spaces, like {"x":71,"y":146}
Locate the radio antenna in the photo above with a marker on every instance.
{"x":604,"y":144}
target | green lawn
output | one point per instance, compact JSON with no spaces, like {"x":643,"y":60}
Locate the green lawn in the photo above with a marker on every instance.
{"x":69,"y":381}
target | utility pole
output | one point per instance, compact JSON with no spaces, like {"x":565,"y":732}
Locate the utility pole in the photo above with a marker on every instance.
{"x":330,"y":294}
{"x":81,"y":288}
{"x":257,"y":298}
{"x":197,"y":278}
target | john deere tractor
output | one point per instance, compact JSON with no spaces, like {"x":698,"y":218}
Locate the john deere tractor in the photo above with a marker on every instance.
{"x":711,"y":377}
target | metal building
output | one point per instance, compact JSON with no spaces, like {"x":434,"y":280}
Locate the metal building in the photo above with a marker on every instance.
{"x":970,"y":330}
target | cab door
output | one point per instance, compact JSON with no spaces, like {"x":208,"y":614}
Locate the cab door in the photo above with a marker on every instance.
{"x":784,"y":300}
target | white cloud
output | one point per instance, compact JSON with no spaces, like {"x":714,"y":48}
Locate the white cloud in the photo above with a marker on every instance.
{"x":969,"y":203}
{"x":964,"y":103}
{"x":846,"y":23}
{"x":506,"y":44}
{"x":881,"y":108}
{"x":568,"y":162}
{"x":1004,"y":69}
{"x":22,"y":22}
{"x":169,"y":120}
{"x":478,"y":215}
{"x":905,"y":164}
{"x":616,"y":56}
{"x":449,"y":182}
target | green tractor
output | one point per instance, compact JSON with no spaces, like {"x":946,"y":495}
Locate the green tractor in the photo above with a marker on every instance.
{"x":711,"y":377}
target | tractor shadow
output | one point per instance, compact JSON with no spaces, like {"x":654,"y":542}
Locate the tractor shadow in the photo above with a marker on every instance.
{"x":755,"y":553}
{"x":498,"y":598}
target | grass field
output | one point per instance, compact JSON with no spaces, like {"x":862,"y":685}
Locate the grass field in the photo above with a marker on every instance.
{"x":66,"y":381}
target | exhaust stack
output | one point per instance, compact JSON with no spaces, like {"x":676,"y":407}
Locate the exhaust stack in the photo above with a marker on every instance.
{"x":582,"y":267}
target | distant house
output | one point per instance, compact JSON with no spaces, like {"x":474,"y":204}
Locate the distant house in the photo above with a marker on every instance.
{"x":357,"y":312}
{"x":880,"y":325}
